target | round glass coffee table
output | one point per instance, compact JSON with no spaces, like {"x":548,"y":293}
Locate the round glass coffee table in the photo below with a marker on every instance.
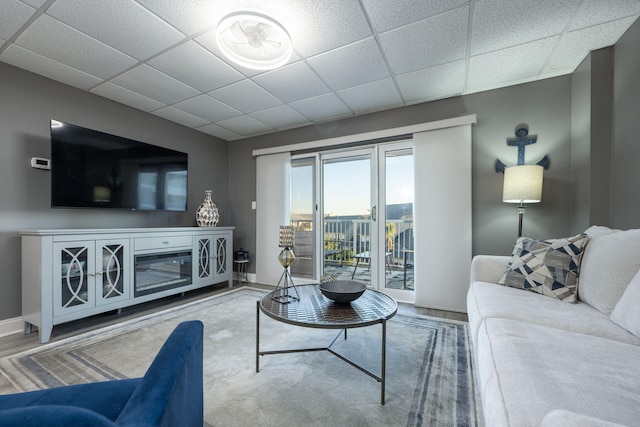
{"x":314,"y":310}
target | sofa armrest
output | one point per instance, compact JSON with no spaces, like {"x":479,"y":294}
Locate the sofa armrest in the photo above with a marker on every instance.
{"x":171,"y":391}
{"x":488,"y":268}
{"x":106,"y":398}
{"x":52,"y":415}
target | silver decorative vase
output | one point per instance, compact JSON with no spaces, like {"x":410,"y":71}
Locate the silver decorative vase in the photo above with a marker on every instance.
{"x":207,"y":214}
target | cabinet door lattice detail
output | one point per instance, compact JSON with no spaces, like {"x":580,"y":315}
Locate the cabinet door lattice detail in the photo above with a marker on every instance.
{"x":112,"y":271}
{"x":221,"y":255}
{"x":75,"y":287}
{"x":204,"y":258}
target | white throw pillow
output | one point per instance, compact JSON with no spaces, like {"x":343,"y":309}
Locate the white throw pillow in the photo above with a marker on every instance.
{"x":609,"y":262}
{"x":599,"y":230}
{"x":627,"y":311}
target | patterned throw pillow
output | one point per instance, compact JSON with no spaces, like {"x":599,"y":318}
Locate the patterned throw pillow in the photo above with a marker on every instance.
{"x":548,"y":267}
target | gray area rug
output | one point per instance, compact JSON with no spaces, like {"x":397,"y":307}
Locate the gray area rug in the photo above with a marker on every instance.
{"x":429,"y":372}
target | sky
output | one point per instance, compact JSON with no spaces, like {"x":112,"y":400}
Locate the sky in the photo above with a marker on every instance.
{"x":347,"y":186}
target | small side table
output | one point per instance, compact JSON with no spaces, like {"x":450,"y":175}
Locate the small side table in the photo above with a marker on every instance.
{"x":242,"y":269}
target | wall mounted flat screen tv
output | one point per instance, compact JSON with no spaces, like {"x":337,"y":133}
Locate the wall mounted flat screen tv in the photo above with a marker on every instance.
{"x":91,"y":169}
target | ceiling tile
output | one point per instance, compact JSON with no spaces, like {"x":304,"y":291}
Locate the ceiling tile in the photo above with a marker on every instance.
{"x":207,"y":108}
{"x":194,"y":65}
{"x":321,"y":107}
{"x":53,"y":39}
{"x":595,"y":12}
{"x":351,"y":65}
{"x":350,"y":56}
{"x":292,"y":82}
{"x":573,"y":47}
{"x":509,"y":65}
{"x":370,"y":97}
{"x":432,"y":83}
{"x":179,"y":116}
{"x":281,"y":117}
{"x":427,"y":43}
{"x":39,"y":64}
{"x":244,"y":125}
{"x":122,"y":24}
{"x":245,"y":96}
{"x":127,"y":97}
{"x":14,"y":15}
{"x":405,"y":12}
{"x":219,"y":132}
{"x":503,"y":23}
{"x":155,"y":85}
{"x":320,"y":25}
{"x":195,"y":16}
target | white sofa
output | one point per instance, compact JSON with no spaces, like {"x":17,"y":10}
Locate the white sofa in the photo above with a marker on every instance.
{"x":543,"y":361}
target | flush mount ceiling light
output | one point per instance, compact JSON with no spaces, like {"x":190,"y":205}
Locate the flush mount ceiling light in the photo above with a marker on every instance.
{"x":253,"y":40}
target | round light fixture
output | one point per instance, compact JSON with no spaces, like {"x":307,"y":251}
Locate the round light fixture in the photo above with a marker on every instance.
{"x":253,"y":40}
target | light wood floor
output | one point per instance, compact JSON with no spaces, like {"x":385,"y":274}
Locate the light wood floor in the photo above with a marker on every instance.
{"x":15,"y":343}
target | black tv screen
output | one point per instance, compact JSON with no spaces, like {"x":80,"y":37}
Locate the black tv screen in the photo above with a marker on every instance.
{"x":91,"y":169}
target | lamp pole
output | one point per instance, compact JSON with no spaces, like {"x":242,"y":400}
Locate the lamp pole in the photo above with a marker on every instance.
{"x":520,"y":215}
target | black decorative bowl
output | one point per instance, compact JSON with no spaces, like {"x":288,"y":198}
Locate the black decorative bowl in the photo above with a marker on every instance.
{"x":342,"y":291}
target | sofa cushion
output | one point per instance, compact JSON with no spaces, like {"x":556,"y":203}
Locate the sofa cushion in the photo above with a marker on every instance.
{"x":488,"y":300}
{"x":562,"y":418}
{"x":599,"y":230}
{"x":548,"y":267}
{"x":527,"y":371}
{"x":609,"y":263}
{"x":626,"y":312}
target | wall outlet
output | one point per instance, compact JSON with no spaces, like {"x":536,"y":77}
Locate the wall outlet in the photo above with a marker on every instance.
{"x":253,"y":205}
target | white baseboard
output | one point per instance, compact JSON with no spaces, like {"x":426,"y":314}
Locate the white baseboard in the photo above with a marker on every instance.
{"x":251,"y":277}
{"x":10,"y":326}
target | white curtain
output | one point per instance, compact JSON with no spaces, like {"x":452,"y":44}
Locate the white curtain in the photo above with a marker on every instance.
{"x":442,"y":211}
{"x":272,"y":211}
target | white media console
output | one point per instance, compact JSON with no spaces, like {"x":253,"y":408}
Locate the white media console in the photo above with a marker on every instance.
{"x":71,"y":274}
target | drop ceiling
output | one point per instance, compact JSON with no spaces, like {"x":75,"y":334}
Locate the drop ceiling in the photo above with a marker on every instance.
{"x":351,"y":57}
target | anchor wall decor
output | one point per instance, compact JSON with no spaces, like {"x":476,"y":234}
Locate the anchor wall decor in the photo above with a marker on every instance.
{"x":521,"y":140}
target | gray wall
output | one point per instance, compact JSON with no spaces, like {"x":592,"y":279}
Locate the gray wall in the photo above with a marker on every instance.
{"x":626,"y":125}
{"x":591,"y":118}
{"x":27,"y":103}
{"x":544,"y":105}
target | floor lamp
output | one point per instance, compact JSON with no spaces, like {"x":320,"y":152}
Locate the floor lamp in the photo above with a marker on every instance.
{"x":522,"y":184}
{"x":286,"y":258}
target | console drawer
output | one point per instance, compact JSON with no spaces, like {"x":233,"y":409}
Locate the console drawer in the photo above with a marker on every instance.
{"x":155,"y":243}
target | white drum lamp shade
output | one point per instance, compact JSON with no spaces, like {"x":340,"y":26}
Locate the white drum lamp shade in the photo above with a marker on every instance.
{"x":522,"y":184}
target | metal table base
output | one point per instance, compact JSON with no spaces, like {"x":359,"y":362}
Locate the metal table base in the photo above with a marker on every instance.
{"x":383,"y":308}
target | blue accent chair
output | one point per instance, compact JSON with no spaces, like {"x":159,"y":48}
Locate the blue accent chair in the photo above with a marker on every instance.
{"x":169,"y":394}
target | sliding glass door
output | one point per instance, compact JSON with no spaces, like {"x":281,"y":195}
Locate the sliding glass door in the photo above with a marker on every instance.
{"x":348,"y":215}
{"x":395,"y":173}
{"x":303,"y":212}
{"x":341,"y":232}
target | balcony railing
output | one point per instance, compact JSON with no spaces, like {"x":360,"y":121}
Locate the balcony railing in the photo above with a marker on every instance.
{"x":353,"y":236}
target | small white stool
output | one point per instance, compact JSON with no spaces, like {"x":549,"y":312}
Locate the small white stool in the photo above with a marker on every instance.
{"x":242,"y":269}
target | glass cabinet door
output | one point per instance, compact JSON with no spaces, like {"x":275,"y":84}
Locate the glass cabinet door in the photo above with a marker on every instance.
{"x":221,"y":256}
{"x":73,"y":284}
{"x":112,"y":265}
{"x":204,"y":257}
